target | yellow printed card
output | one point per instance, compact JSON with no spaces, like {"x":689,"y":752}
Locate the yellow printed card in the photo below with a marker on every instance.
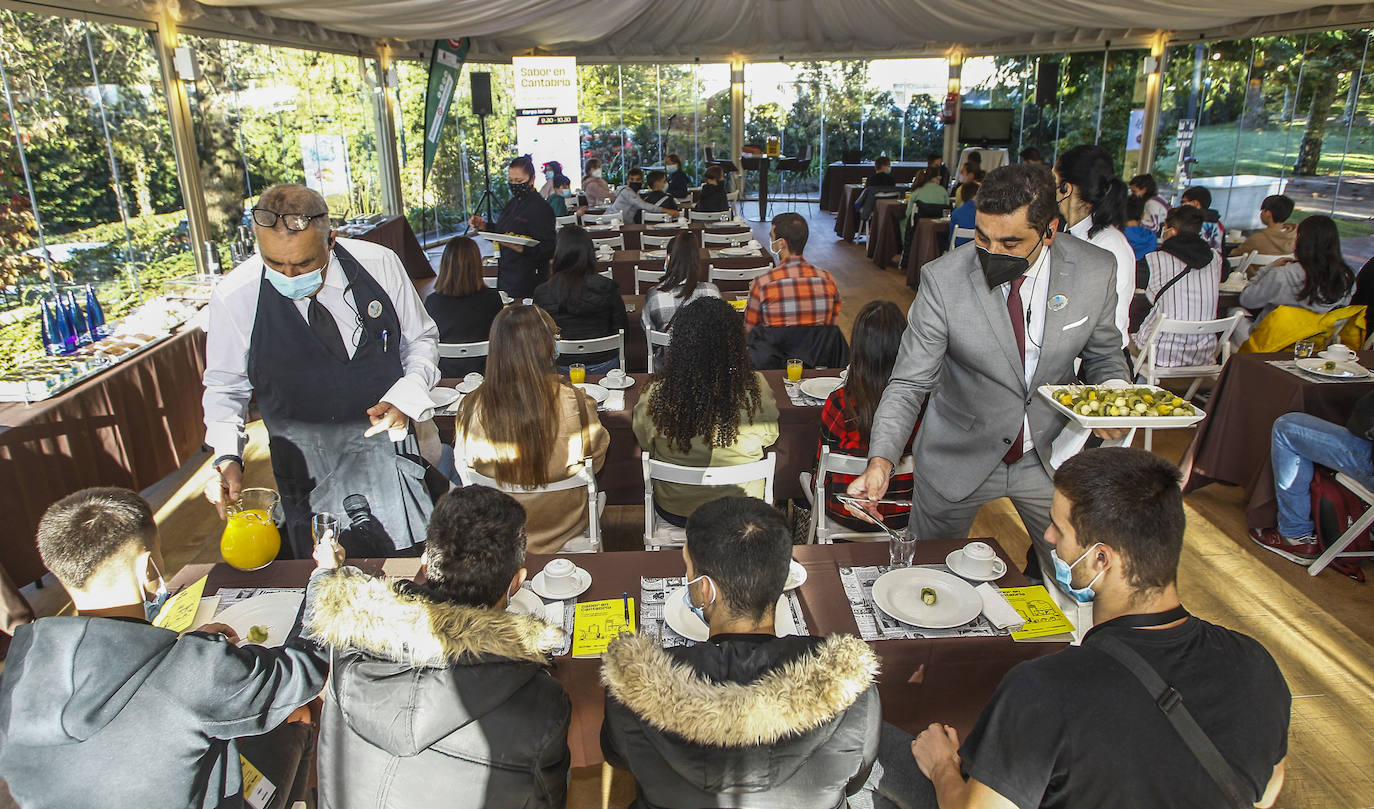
{"x":596,"y":623}
{"x":180,"y":610}
{"x":1037,"y":607}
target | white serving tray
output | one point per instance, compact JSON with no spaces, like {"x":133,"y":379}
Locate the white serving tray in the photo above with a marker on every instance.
{"x":1093,"y":422}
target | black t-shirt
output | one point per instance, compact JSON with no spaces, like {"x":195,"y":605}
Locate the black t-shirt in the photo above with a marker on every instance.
{"x":1077,"y":729}
{"x":463,"y":320}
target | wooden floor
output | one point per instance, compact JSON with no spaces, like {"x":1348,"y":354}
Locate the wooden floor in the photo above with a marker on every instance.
{"x":1321,"y":630}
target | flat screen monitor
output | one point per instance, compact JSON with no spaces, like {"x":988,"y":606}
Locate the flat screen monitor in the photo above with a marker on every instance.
{"x":985,"y":127}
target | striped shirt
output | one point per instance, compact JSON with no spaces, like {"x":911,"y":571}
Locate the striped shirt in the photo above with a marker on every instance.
{"x":793,"y":294}
{"x":1193,"y":298}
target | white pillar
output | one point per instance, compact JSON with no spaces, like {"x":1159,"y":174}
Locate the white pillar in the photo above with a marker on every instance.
{"x":1154,"y":91}
{"x":736,"y":109}
{"x":388,"y":157}
{"x":955,"y":88}
{"x":183,"y":141}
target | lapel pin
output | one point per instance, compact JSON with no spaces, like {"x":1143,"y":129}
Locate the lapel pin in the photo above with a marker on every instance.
{"x":1058,"y":302}
{"x":374,"y":309}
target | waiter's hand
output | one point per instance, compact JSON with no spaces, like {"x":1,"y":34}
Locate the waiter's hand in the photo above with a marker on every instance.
{"x":872,"y":484}
{"x":476,"y":222}
{"x":519,"y":248}
{"x":385,"y":417}
{"x":1111,"y":432}
{"x":225,"y":487}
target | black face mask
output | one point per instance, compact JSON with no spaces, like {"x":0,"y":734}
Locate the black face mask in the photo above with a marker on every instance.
{"x":521,"y":189}
{"x":999,"y":268}
{"x":635,"y":186}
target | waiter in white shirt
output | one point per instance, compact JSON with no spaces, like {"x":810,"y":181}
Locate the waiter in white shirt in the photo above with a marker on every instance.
{"x":332,"y":337}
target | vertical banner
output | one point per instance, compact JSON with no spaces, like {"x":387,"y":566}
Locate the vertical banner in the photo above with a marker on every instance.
{"x":325,"y":158}
{"x":445,"y":65}
{"x":546,"y":125}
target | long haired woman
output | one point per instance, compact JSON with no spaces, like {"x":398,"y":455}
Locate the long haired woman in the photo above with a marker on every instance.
{"x":683,"y":281}
{"x":583,"y":303}
{"x":1316,"y":278}
{"x":1092,"y":200}
{"x":462,"y":304}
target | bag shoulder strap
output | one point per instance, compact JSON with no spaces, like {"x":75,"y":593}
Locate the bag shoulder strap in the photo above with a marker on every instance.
{"x":1168,"y":285}
{"x":1171,"y":703}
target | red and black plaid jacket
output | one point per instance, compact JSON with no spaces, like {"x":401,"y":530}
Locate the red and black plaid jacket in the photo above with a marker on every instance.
{"x":840,"y":432}
{"x":793,"y":294}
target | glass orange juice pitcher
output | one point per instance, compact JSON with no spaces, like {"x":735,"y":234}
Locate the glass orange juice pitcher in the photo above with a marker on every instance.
{"x":251,"y":539}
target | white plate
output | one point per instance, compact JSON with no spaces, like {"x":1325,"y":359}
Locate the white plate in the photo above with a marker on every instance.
{"x":509,"y":238}
{"x":1155,"y":422}
{"x":898,"y":594}
{"x":595,"y":391}
{"x":465,"y":387}
{"x":1343,"y":370}
{"x":737,"y":251}
{"x":276,"y":611}
{"x":540,"y":586}
{"x":655,"y":254}
{"x":601,"y":227}
{"x":686,"y":623}
{"x":796,"y":576}
{"x":626,"y":383}
{"x":525,"y":602}
{"x":955,"y":562}
{"x":820,"y":387}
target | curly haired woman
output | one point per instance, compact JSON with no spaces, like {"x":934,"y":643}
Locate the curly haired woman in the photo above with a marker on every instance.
{"x":707,"y":407}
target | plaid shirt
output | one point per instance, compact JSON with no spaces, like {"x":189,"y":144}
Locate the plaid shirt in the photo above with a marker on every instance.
{"x":793,"y":294}
{"x":840,"y":432}
{"x":660,"y":307}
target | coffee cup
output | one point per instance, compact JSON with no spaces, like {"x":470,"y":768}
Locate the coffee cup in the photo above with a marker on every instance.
{"x":1336,"y":351}
{"x":473,"y":378}
{"x":980,"y":559}
{"x":615,"y":376}
{"x":558,"y":576}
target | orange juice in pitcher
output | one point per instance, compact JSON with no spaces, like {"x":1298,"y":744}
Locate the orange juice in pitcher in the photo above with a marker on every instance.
{"x":251,"y":539}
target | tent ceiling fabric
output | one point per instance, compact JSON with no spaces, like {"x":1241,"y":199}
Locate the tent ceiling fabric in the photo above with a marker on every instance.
{"x":682,"y":30}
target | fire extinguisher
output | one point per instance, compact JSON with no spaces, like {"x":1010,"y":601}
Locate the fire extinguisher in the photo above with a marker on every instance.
{"x":951,"y":107}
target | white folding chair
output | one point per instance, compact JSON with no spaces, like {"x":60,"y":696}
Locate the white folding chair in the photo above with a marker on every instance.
{"x":740,"y":274}
{"x":1260,"y":260}
{"x":643,"y":277}
{"x":822,"y":530}
{"x":957,"y":233}
{"x":656,"y":536}
{"x":650,"y":216}
{"x":560,"y":221}
{"x":490,"y":281}
{"x":1333,"y":334}
{"x":1241,"y":262}
{"x":594,"y":346}
{"x":614,"y":238}
{"x":1147,"y":367}
{"x":710,"y":216}
{"x":603,"y":219}
{"x":457,"y":351}
{"x":657,"y":339}
{"x":709,"y":240}
{"x":606,"y":273}
{"x":655,"y":242}
{"x":590,"y":540}
{"x":1357,"y":528}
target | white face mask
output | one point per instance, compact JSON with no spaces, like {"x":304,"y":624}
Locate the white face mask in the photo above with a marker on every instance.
{"x":596,"y":172}
{"x":775,"y":247}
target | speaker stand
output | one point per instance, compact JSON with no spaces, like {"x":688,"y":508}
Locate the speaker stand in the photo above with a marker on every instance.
{"x":486,"y":197}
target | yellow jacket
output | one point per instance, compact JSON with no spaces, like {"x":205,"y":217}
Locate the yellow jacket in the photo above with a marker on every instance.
{"x":1286,"y":325}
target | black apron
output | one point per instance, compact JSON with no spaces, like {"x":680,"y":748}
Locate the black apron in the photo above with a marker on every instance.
{"x":315,"y":408}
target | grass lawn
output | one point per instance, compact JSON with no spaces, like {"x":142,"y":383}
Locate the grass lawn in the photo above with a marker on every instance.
{"x":1274,"y":149}
{"x":1348,"y":228}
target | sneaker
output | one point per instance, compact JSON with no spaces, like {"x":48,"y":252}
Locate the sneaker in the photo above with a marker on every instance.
{"x":1301,"y":550}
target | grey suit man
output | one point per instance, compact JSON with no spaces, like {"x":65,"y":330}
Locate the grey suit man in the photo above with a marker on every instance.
{"x":961,"y":351}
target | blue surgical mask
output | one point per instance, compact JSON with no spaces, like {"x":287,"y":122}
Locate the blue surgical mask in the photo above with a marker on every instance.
{"x":699,"y":612}
{"x":1063,"y":574}
{"x":549,"y":175}
{"x":565,"y":192}
{"x":296,"y":287}
{"x":153,"y":606}
{"x":671,"y":168}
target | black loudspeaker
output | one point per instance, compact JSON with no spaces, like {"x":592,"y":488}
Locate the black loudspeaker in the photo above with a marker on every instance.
{"x":481,"y":93}
{"x":1046,"y":84}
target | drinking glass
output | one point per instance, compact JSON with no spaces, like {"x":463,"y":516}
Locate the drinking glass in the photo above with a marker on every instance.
{"x":1303,"y":349}
{"x":577,"y":373}
{"x":794,"y":370}
{"x":322,"y":524}
{"x":901,"y":548}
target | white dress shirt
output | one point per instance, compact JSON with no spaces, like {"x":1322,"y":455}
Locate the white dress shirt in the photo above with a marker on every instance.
{"x":1116,"y":243}
{"x":1034,"y":295}
{"x":233,"y":311}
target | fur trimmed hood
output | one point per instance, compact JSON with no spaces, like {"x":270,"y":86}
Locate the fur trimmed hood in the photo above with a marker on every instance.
{"x":794,"y":698}
{"x":352,"y":609}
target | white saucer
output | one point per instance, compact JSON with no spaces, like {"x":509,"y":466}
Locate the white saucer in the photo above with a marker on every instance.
{"x":582,"y":577}
{"x":629,"y":382}
{"x":466,"y":387}
{"x":955,"y":562}
{"x":796,"y":576}
{"x":597,"y":392}
{"x":683,"y":621}
{"x":525,"y":602}
{"x":655,"y":253}
{"x":820,"y":387}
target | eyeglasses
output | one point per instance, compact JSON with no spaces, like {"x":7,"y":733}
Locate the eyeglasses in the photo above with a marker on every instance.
{"x":293,"y":221}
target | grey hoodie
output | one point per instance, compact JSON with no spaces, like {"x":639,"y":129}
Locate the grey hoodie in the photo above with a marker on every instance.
{"x":106,"y":712}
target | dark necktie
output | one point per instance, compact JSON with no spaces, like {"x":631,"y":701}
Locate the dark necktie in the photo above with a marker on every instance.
{"x":1016,"y":311}
{"x":325,"y":328}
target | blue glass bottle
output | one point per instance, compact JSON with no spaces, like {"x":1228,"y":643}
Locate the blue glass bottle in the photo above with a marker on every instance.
{"x":57,"y":331}
{"x":43,"y":327}
{"x":71,"y":334}
{"x":83,"y":327}
{"x":95,"y":316}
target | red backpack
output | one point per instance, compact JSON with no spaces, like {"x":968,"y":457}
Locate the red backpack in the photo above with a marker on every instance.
{"x":1334,"y":509}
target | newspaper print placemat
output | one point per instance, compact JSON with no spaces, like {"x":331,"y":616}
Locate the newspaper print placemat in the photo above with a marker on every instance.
{"x":799,"y":399}
{"x":653,"y":591}
{"x":229,"y":596}
{"x":1291,"y":367}
{"x":568,"y":607}
{"x":874,"y":624}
